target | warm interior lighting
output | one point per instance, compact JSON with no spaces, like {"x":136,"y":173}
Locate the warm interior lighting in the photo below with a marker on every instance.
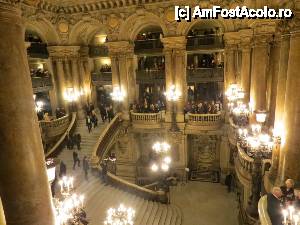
{"x":161,"y":147}
{"x":165,"y":167}
{"x":154,"y":167}
{"x":173,"y":94}
{"x":100,"y":38}
{"x":39,"y":106}
{"x":120,"y":216}
{"x":72,"y":95}
{"x":40,"y":66}
{"x":105,"y":61}
{"x":118,"y":94}
{"x":260,"y":117}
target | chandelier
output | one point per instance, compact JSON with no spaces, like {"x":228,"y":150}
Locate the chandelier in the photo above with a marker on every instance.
{"x":72,"y":95}
{"x":172,"y":94}
{"x":38,"y":104}
{"x":234,"y":93}
{"x":66,"y":185}
{"x":118,"y":95}
{"x":159,"y":147}
{"x":290,"y":217}
{"x":120,"y":216}
{"x":164,"y":160}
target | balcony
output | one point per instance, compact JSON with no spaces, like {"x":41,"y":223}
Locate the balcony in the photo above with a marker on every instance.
{"x":151,"y":76}
{"x":41,"y":84}
{"x":204,"y":42}
{"x":148,"y":46}
{"x":98,"y":51}
{"x":101,"y":78}
{"x":38,"y":50}
{"x":146,"y":120}
{"x":200,"y":122}
{"x":205,"y":75}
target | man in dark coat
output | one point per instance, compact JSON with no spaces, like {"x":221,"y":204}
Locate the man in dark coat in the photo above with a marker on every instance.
{"x":75,"y":159}
{"x":274,"y":206}
{"x":85,"y":166}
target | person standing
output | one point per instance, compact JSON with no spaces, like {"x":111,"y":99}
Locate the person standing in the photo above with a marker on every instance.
{"x":62,"y":169}
{"x":89,"y":123}
{"x":85,"y":166}
{"x":75,"y":159}
{"x":228,"y":181}
{"x":78,"y":141}
{"x":110,"y":113}
{"x":274,"y":206}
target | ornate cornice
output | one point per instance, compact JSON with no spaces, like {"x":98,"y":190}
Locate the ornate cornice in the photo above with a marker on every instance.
{"x":176,"y":42}
{"x":116,"y":47}
{"x":63,"y":51}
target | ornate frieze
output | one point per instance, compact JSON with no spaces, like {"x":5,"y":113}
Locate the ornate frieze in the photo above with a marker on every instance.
{"x":63,"y":51}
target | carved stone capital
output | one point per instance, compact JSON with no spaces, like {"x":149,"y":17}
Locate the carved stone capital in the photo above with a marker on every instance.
{"x":246,"y":37}
{"x":63,"y":51}
{"x":170,"y":43}
{"x":10,"y":12}
{"x":231,"y":40}
{"x":117,"y":47}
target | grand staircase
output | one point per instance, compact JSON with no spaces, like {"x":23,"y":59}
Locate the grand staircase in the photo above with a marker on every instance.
{"x":99,"y":196}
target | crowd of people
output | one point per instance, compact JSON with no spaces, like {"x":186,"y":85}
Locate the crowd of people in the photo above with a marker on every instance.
{"x":280,"y":198}
{"x":39,"y":73}
{"x":204,"y":61}
{"x":155,"y":63}
{"x":203,"y":107}
{"x":148,"y":36}
{"x":198,"y":32}
{"x":105,"y":68}
{"x":147,"y":108}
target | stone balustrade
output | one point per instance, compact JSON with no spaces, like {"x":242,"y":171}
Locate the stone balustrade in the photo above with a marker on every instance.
{"x":54,"y":128}
{"x":101,"y":78}
{"x":205,"y":121}
{"x":263,"y":212}
{"x":146,"y":120}
{"x":205,"y":74}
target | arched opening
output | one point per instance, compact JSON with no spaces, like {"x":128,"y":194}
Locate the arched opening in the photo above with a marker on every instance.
{"x":101,"y":72}
{"x":37,"y":48}
{"x":40,"y":73}
{"x":205,"y":62}
{"x":150,"y":72}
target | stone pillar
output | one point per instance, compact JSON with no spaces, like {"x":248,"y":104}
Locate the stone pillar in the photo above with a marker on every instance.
{"x":273,"y":79}
{"x":2,"y":216}
{"x":53,"y":93}
{"x":290,"y":152}
{"x":25,"y":190}
{"x":175,"y":69}
{"x":123,"y":72}
{"x":277,"y":161}
{"x":231,"y":39}
{"x":245,"y":45}
{"x":61,"y":81}
{"x":260,"y":64}
{"x":68,"y":73}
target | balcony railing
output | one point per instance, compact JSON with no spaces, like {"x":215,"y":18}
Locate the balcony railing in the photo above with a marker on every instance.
{"x":204,"y":42}
{"x":206,"y":121}
{"x":101,"y":78}
{"x":150,"y":44}
{"x":205,"y":75}
{"x":146,"y":120}
{"x":40,"y":84}
{"x":150,"y":76}
{"x":98,"y":51}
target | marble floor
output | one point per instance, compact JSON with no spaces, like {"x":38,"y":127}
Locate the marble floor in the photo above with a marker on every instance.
{"x":204,"y":203}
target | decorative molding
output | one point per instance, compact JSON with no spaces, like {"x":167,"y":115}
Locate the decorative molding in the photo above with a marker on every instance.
{"x":63,"y":51}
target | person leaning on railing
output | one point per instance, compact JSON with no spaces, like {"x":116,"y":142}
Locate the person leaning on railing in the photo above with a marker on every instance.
{"x":274,"y":206}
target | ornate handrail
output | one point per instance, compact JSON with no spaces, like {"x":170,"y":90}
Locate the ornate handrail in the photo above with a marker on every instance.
{"x":60,"y":143}
{"x":100,"y":148}
{"x":146,"y":117}
{"x":205,"y":74}
{"x":263,"y":212}
{"x":54,"y":128}
{"x":205,"y":119}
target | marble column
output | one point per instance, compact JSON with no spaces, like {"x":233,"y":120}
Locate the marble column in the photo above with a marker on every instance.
{"x":260,"y":64}
{"x":280,"y":100}
{"x":290,"y":151}
{"x":61,"y":81}
{"x":2,"y":216}
{"x":231,"y":40}
{"x":25,"y":191}
{"x":273,"y":79}
{"x":262,"y":36}
{"x":53,"y":93}
{"x":245,"y":45}
{"x":175,"y":72}
{"x":69,"y":77}
{"x":123,"y":72}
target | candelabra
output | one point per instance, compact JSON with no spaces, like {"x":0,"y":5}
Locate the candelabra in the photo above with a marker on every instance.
{"x":66,"y":185}
{"x":173,"y":96}
{"x":290,"y":217}
{"x":120,"y":216}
